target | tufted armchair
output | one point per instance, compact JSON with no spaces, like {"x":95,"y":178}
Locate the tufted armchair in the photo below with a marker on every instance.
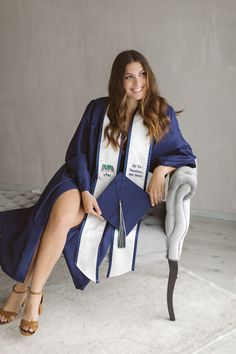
{"x":165,"y":239}
{"x":171,"y":226}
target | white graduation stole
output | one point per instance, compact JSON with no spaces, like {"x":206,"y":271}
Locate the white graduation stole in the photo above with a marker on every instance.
{"x":135,"y":168}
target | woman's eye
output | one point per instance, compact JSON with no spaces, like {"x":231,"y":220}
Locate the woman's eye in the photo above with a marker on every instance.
{"x":143,"y":73}
{"x":128,"y":77}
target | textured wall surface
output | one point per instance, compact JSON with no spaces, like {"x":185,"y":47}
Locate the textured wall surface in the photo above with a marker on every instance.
{"x":56,"y":55}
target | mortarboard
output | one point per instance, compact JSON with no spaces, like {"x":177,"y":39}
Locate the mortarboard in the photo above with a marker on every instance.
{"x":123,"y":204}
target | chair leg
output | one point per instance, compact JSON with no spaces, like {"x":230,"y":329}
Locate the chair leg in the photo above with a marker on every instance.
{"x":173,"y":266}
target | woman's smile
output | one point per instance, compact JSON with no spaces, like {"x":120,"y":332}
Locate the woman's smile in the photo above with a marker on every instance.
{"x":138,"y":90}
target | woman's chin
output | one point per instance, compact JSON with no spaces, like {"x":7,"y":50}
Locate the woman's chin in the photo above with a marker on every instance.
{"x":136,"y":97}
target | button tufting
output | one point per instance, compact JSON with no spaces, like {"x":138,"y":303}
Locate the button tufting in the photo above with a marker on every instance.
{"x":17,"y":199}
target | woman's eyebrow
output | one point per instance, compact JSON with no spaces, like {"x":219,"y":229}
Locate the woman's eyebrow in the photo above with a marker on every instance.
{"x":134,"y":74}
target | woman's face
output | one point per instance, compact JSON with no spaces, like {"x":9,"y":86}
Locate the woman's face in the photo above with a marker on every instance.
{"x":135,"y":81}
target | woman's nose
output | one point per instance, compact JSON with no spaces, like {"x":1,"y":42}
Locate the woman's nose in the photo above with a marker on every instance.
{"x":137,"y":82}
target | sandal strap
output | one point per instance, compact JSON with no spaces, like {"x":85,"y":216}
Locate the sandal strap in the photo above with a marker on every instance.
{"x":34,"y":293}
{"x":31,"y":324}
{"x":7,"y":313}
{"x":19,"y":292}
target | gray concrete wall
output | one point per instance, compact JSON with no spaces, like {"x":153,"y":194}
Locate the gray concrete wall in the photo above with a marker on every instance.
{"x":56,"y":55}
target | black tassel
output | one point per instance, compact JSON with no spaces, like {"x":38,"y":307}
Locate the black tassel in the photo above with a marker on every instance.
{"x":122,"y":230}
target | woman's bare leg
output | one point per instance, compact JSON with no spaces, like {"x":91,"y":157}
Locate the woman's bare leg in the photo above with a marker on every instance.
{"x":14,"y":301}
{"x":66,"y":213}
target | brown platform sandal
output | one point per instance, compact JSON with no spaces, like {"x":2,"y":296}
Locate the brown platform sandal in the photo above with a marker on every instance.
{"x":10,"y":315}
{"x":31,"y":324}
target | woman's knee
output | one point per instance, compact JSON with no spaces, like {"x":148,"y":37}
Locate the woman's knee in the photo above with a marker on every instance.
{"x":61,"y":220}
{"x":67,"y":210}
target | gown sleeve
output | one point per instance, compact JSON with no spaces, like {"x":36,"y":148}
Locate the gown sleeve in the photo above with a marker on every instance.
{"x":78,"y":150}
{"x":172,"y":150}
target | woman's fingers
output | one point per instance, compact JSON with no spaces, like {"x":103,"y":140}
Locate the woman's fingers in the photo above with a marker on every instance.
{"x":156,"y":189}
{"x":96,"y":207}
{"x":150,"y":191}
{"x":163,"y":194}
{"x":155,"y":196}
{"x":93,"y":212}
{"x":151,"y":199}
{"x":91,"y":206}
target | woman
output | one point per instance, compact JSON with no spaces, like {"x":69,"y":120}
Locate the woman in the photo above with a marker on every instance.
{"x":32,"y":239}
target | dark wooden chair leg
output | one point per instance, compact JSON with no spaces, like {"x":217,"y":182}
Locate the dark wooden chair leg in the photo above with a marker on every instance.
{"x":173,"y":266}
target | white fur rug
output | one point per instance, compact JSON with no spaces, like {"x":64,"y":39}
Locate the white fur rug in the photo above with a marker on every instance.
{"x":127,"y":314}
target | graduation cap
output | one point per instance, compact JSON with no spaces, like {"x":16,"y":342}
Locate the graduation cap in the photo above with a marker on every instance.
{"x":123,"y":204}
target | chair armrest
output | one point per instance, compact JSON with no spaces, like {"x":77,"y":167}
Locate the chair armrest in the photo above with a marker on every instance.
{"x":182,"y":187}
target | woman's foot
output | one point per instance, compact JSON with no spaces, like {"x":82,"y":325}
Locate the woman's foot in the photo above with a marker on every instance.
{"x":33,"y":308}
{"x":14,"y":301}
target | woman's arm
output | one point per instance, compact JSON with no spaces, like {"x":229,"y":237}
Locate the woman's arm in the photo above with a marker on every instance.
{"x":172,"y":150}
{"x":77,"y":161}
{"x":167,"y":155}
{"x":156,"y":187}
{"x":77,"y":152}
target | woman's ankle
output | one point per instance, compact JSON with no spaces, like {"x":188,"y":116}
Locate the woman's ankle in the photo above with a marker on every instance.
{"x":21,"y":287}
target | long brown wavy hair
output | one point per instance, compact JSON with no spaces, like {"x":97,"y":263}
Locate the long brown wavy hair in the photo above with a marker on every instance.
{"x":153,"y":107}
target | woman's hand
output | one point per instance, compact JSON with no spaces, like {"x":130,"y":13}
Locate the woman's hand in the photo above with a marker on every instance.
{"x":156,"y":187}
{"x":90,"y":205}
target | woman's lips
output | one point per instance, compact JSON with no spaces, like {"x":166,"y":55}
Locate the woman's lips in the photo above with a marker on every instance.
{"x":138,"y":90}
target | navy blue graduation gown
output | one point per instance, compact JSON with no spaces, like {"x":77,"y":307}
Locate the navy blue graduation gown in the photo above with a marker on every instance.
{"x":21,"y":229}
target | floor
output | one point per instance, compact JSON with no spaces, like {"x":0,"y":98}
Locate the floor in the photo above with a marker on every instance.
{"x":210,"y":251}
